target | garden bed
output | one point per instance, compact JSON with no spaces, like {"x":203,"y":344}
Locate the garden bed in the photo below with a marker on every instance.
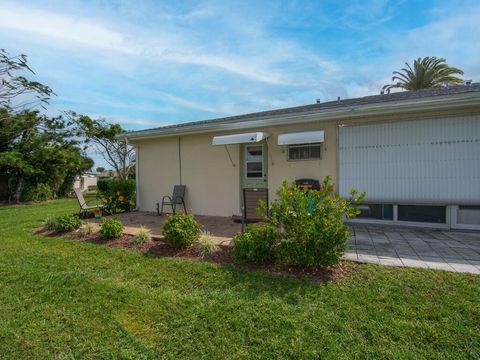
{"x":315,"y":274}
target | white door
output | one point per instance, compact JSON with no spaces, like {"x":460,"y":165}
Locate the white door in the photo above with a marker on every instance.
{"x":254,"y":165}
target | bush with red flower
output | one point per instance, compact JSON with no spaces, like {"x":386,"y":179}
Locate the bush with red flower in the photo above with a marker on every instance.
{"x":117,"y":195}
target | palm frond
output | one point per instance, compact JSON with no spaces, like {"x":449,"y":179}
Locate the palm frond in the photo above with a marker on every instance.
{"x":425,"y":73}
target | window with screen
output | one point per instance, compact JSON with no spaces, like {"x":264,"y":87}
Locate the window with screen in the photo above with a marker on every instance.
{"x":254,"y":161}
{"x":304,"y":152}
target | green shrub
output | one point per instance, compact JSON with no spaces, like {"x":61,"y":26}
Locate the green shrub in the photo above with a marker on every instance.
{"x":111,"y":228}
{"x":37,"y":192}
{"x":117,"y":195}
{"x":181,"y":230}
{"x":311,"y":223}
{"x":256,"y":244}
{"x":206,"y":246}
{"x":142,"y":236}
{"x":49,"y":224}
{"x":67,"y":222}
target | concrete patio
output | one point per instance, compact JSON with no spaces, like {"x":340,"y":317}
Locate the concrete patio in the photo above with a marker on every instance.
{"x":422,"y":248}
{"x":385,"y":245}
{"x":222,"y":229}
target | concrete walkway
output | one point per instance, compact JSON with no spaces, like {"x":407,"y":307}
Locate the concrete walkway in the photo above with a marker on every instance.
{"x":420,"y":248}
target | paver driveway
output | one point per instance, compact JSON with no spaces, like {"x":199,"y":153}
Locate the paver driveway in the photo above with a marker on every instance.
{"x":423,"y":248}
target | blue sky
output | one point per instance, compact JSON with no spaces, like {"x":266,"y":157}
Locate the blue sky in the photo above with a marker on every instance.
{"x":151,"y":63}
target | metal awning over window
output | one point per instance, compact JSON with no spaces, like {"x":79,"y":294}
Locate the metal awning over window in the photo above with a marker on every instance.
{"x":304,"y":137}
{"x":240,"y":138}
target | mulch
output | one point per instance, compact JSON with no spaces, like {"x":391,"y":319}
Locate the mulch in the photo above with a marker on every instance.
{"x":314,"y":274}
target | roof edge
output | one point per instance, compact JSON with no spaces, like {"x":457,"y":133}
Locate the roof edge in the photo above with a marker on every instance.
{"x":394,"y":107}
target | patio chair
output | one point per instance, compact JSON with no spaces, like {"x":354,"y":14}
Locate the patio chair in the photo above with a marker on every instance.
{"x":251,"y":199}
{"x":177,"y":198}
{"x":84,"y":208}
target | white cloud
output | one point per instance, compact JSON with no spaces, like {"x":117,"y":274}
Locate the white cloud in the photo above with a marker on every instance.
{"x":453,"y":35}
{"x":456,"y":37}
{"x":362,"y":15}
{"x":186,"y":63}
{"x":185,"y":102}
{"x":242,"y":67}
{"x":68,"y":29}
{"x":129,"y":122}
{"x":354,"y":89}
{"x":72,"y":31}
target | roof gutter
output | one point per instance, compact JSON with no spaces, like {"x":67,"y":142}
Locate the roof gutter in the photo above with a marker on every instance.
{"x":395,"y":107}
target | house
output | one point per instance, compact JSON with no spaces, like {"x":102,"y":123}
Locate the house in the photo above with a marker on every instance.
{"x":83,"y":182}
{"x":415,"y":153}
{"x":107,"y":174}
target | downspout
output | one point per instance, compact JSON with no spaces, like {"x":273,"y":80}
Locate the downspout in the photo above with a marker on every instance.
{"x":269,"y":154}
{"x":180,"y":160}
{"x":137,"y":179}
{"x":337,"y":155}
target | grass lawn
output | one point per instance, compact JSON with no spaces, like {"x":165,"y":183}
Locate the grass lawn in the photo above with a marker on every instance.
{"x":65,"y":299}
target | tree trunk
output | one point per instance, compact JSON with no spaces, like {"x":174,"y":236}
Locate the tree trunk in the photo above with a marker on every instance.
{"x":19,"y":189}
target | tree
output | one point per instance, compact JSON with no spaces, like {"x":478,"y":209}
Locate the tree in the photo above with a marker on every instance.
{"x":103,"y":135}
{"x":16,"y":91}
{"x":427,"y":72}
{"x":37,"y":153}
{"x":36,"y":149}
{"x":100,"y":169}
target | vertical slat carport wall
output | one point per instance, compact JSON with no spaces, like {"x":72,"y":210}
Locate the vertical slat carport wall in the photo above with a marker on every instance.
{"x":434,"y":161}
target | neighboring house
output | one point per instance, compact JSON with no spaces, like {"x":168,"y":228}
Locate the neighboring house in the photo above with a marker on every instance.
{"x":415,"y":153}
{"x":84,"y":181}
{"x":107,"y":174}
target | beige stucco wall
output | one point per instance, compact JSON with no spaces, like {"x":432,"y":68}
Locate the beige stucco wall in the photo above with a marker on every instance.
{"x":158,"y":170}
{"x":279,"y":168}
{"x":213,"y":183}
{"x":212,"y":180}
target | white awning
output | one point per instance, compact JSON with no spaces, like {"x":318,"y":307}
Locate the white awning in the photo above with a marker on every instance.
{"x":240,"y":138}
{"x":304,"y":137}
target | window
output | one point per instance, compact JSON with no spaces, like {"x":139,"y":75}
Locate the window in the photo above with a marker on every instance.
{"x":469,"y":215}
{"x":376,"y":211}
{"x":254,"y":161}
{"x":304,"y":152}
{"x":422,"y":213}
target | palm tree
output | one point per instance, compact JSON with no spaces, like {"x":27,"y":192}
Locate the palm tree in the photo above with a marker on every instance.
{"x":427,"y":72}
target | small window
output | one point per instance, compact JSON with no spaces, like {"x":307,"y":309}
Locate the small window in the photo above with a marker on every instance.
{"x":254,"y":170}
{"x":422,"y":213}
{"x":376,"y":211}
{"x":469,"y":215}
{"x":304,"y":152}
{"x":254,"y":161}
